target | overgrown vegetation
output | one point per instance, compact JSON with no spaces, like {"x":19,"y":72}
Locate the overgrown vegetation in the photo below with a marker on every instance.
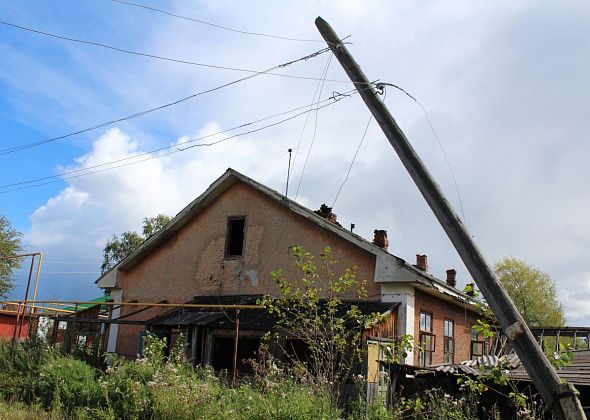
{"x":39,"y":382}
{"x":312,"y":311}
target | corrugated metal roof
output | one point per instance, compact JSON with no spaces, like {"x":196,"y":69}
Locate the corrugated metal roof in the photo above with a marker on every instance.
{"x":577,"y":372}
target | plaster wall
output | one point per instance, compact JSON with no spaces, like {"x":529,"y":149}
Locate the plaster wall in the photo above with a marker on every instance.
{"x":404,"y":293}
{"x":193,"y":263}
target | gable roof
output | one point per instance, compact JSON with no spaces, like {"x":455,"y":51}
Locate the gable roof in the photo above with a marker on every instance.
{"x":231,"y":177}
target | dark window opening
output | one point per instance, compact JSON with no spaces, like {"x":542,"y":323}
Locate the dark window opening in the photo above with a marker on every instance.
{"x":235,"y":237}
{"x":223,"y":353}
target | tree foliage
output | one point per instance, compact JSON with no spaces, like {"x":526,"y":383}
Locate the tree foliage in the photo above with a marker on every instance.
{"x":118,"y":247}
{"x":10,"y":244}
{"x":532,"y":291}
{"x":311,"y":310}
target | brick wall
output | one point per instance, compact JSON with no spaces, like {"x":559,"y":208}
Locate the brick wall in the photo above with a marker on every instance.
{"x":441,"y":310}
{"x":192,"y":263}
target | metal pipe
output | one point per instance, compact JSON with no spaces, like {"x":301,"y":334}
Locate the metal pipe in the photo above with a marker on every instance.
{"x":19,"y":256}
{"x":37,"y":277}
{"x":235,"y":364}
{"x":159,"y":305}
{"x":20,"y":328}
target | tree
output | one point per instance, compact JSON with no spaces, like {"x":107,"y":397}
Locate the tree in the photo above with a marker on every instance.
{"x":117,"y":248}
{"x":311,"y":310}
{"x":10,"y":244}
{"x":532,"y":291}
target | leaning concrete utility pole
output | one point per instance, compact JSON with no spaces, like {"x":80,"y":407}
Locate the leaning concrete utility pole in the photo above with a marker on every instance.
{"x":560,"y":398}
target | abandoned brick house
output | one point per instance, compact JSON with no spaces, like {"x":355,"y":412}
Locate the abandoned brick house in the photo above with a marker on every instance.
{"x":221,"y":249}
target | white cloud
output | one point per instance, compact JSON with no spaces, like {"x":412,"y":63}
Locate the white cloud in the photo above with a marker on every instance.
{"x":576,"y":302}
{"x":506,"y":96}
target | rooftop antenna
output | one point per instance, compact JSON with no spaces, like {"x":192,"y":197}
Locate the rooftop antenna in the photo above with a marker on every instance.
{"x":288,"y":173}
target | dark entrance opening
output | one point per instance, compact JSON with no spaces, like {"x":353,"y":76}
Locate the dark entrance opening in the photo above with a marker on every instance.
{"x":223,"y":353}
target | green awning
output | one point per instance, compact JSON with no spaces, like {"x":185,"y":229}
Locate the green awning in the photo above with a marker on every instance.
{"x":84,"y":306}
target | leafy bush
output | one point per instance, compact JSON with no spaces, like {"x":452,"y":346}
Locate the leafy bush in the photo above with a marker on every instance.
{"x":19,"y":369}
{"x":66,"y":383}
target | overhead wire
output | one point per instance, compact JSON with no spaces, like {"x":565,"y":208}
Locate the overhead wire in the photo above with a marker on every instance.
{"x":353,"y":160}
{"x":444,"y":152}
{"x":159,"y":57}
{"x":378,"y":85}
{"x":178,"y":150}
{"x":69,"y":262}
{"x":315,"y":127}
{"x":215,"y":25}
{"x":148,"y":111}
{"x":380,"y":90}
{"x":313,"y":99}
{"x":126,"y":51}
{"x":62,"y":174}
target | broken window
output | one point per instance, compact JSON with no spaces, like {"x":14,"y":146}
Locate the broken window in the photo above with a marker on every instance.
{"x":234,"y":245}
{"x":478,"y":347}
{"x":427,"y":339}
{"x":449,"y":341}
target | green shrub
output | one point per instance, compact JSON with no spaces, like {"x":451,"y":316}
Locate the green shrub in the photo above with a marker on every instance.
{"x":19,"y":369}
{"x":66,"y":383}
{"x":124,"y":389}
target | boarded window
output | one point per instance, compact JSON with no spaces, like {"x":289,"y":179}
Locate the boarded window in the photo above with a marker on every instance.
{"x":235,"y":237}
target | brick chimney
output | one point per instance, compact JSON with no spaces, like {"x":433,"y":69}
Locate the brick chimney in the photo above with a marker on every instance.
{"x":452,"y":277}
{"x":380,"y":239}
{"x":422,"y":262}
{"x":326,"y":213}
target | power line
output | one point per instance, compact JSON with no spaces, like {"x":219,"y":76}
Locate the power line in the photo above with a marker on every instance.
{"x":64,"y":272}
{"x":161,"y":148}
{"x":315,"y":127}
{"x":215,"y":25}
{"x":168,"y":153}
{"x":148,"y":111}
{"x":69,"y":262}
{"x":381,"y":86}
{"x":159,"y":57}
{"x":313,"y":99}
{"x":353,"y":159}
{"x":126,"y":51}
{"x":446,"y":159}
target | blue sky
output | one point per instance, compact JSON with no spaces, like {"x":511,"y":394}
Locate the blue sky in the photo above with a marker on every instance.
{"x":505,"y":86}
